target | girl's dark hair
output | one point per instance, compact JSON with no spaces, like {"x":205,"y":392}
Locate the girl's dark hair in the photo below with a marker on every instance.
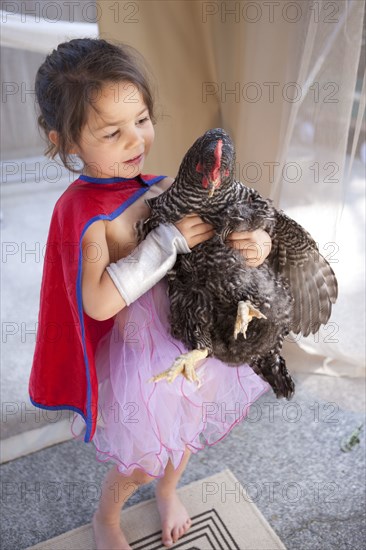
{"x":69,"y":79}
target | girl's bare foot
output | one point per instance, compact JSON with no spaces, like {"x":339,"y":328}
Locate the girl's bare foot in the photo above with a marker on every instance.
{"x":108,"y":534}
{"x":175,"y":520}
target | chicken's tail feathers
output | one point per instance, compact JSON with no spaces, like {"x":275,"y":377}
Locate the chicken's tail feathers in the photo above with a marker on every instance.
{"x":272,"y":368}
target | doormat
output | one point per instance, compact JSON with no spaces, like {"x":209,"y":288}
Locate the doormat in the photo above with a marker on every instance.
{"x":223,"y":518}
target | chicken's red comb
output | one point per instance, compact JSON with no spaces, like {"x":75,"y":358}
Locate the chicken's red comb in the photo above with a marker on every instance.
{"x":217,"y":155}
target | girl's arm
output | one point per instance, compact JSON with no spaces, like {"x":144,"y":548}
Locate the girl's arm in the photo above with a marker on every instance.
{"x":101,"y":298}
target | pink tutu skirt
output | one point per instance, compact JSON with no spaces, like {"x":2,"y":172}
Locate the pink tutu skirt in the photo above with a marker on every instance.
{"x":143,"y":424}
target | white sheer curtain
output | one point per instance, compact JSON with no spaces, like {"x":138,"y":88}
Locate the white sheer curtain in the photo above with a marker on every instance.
{"x":323,"y":187}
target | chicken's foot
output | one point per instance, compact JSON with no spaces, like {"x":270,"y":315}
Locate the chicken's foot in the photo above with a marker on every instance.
{"x":246,"y":312}
{"x":184,"y":364}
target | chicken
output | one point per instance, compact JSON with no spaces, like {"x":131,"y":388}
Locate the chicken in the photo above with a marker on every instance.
{"x":219,"y":305}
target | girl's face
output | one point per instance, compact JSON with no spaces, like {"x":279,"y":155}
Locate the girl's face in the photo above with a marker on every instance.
{"x":118,"y":134}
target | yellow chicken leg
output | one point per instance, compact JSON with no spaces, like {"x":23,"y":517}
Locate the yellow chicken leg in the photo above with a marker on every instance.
{"x":184,"y":364}
{"x":246,"y":312}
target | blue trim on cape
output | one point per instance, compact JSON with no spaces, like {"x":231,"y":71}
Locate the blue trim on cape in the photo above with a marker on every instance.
{"x":90,"y":179}
{"x":58,"y":407}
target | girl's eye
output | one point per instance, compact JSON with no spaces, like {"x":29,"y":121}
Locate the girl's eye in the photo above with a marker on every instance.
{"x":142,"y":120}
{"x":110,"y":136}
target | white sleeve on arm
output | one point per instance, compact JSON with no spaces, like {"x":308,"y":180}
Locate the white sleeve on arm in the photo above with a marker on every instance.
{"x":148,"y":263}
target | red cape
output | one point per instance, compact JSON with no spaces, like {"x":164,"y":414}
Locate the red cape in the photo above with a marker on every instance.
{"x":63,"y":374}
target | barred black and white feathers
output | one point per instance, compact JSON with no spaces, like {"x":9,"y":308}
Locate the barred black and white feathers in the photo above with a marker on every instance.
{"x":294,"y":288}
{"x":312,"y":281}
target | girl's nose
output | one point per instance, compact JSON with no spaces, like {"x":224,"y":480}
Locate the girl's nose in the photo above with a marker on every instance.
{"x":134,"y":138}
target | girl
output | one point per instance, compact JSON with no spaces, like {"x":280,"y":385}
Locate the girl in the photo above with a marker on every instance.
{"x":96,"y":103}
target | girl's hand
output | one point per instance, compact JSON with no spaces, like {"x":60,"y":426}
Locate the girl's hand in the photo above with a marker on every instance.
{"x":194,"y":230}
{"x":254,"y":245}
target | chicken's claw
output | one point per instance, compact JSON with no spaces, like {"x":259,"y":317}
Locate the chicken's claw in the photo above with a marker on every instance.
{"x":184,"y":364}
{"x":246,"y":312}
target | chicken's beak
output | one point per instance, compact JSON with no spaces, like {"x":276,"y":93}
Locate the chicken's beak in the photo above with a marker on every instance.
{"x":211,"y":189}
{"x":212,"y":184}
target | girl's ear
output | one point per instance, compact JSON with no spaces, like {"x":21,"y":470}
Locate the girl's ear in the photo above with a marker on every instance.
{"x":53,"y":137}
